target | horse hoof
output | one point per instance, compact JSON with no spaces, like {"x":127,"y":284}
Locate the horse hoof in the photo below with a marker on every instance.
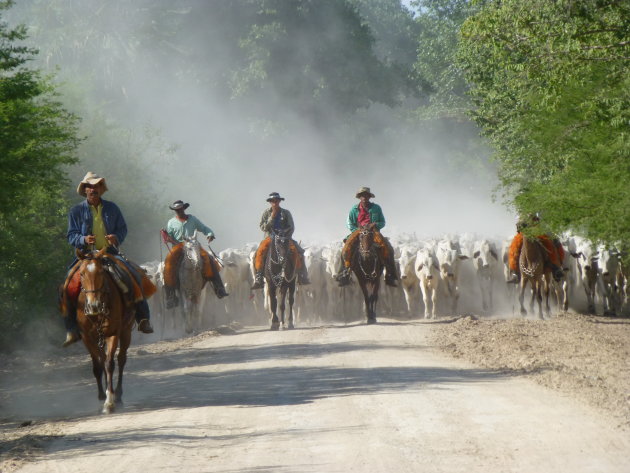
{"x":275,"y":327}
{"x":290,"y":327}
{"x":371,"y":320}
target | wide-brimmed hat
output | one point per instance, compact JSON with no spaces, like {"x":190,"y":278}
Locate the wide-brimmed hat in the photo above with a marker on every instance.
{"x":179,"y":204}
{"x":92,"y":179}
{"x":274,"y":196}
{"x":364,"y":190}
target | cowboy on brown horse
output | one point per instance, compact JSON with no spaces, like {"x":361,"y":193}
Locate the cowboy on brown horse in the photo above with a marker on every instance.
{"x":97,"y":224}
{"x":277,"y":218}
{"x":553,"y":254}
{"x":178,"y":228}
{"x":363,"y":214}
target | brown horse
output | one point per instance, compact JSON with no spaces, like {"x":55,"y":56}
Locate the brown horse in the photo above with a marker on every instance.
{"x":105,"y":324}
{"x":280,"y":275}
{"x":532,"y":266}
{"x":368,"y":267}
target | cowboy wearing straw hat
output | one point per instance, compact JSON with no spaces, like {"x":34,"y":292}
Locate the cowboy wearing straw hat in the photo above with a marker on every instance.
{"x":178,"y":228}
{"x":277,"y":218}
{"x":362,"y":214}
{"x":97,"y":223}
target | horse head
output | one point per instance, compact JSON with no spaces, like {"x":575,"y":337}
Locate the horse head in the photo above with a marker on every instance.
{"x":93,"y":281}
{"x":192,"y":251}
{"x":366,"y":240}
{"x":280,"y":242}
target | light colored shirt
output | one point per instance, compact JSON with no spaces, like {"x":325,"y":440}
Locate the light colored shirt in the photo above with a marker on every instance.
{"x":179,"y":230}
{"x":98,"y":227}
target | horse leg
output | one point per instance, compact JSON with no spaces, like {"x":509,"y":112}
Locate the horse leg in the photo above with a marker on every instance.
{"x":125,"y":341}
{"x":291,"y":296}
{"x":273,"y":305}
{"x":110,"y":363}
{"x":97,"y":370}
{"x":282,"y":304}
{"x":521,"y":295}
{"x":539,"y":297}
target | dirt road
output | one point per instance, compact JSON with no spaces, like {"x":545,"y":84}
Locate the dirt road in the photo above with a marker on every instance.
{"x":353,"y":398}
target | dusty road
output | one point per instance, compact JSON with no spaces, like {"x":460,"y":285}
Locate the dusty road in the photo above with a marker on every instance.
{"x":350,"y":398}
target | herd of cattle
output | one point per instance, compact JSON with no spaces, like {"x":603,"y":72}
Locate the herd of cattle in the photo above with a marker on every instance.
{"x":439,"y":277}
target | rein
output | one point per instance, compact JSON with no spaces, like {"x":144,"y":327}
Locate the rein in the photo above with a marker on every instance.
{"x":279,"y":277}
{"x":364,"y":253}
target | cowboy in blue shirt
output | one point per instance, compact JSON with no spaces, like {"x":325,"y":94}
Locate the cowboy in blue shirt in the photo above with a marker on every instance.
{"x":97,"y":223}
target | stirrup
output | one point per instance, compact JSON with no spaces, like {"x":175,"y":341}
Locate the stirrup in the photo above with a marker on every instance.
{"x":343,"y":278}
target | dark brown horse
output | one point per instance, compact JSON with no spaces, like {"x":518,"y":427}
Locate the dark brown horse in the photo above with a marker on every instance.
{"x":280,"y":274}
{"x":532,"y":266}
{"x":368,"y":267}
{"x":105,"y":324}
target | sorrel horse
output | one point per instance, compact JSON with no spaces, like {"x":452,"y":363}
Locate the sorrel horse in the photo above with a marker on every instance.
{"x":280,"y":274}
{"x":368,"y":267}
{"x":532,"y":266}
{"x":191,"y":283}
{"x":105,"y":324}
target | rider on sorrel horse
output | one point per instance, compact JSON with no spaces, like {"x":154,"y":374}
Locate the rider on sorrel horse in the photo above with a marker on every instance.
{"x":362,"y":214}
{"x":280,"y":273}
{"x":98,"y":224}
{"x":278,"y":219}
{"x":180,"y":228}
{"x":105,"y":322}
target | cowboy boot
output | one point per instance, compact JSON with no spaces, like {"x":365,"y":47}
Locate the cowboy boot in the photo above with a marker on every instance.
{"x":142,"y":317}
{"x":259,"y":280}
{"x":515,"y":277}
{"x":343,"y":278}
{"x":391,"y":274}
{"x":72,"y":329}
{"x":302,"y":277}
{"x":557,"y":272}
{"x":171,"y":297}
{"x":219,"y":288}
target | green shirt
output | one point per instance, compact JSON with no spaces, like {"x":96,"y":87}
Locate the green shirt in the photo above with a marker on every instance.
{"x":179,"y":230}
{"x":98,"y":227}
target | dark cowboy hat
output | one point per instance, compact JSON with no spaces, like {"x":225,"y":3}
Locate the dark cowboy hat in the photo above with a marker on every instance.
{"x":179,"y":204}
{"x":274,"y":196}
{"x":92,"y":179}
{"x":364,"y":190}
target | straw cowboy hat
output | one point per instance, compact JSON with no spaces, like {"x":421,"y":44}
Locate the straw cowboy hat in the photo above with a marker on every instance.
{"x":92,"y":179}
{"x":179,"y":204}
{"x":364,"y":190}
{"x":274,"y":196}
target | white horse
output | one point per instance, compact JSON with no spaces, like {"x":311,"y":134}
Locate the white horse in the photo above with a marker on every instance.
{"x":191,"y":284}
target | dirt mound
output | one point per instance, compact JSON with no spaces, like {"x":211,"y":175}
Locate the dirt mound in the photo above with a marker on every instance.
{"x":585,"y":357}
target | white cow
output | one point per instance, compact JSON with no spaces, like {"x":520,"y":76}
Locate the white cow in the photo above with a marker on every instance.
{"x":608,"y":270}
{"x":485,"y":261}
{"x":428,"y":274}
{"x":310,"y":299}
{"x":236,"y":278}
{"x":342,"y":301}
{"x":449,"y":255}
{"x":587,"y":257}
{"x":408,"y":278}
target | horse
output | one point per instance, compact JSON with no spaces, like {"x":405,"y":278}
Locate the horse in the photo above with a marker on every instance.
{"x":191,"y":283}
{"x":532,"y":266}
{"x":105,"y":324}
{"x":280,"y":274}
{"x":368,"y":267}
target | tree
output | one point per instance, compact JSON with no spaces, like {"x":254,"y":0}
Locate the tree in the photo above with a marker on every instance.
{"x":551,"y":90}
{"x":38,"y":138}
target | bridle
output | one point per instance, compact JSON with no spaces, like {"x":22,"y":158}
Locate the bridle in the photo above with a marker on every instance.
{"x":366,"y":252}
{"x":279,"y":241}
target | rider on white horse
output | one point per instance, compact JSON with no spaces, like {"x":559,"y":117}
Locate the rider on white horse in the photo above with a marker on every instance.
{"x":180,"y":227}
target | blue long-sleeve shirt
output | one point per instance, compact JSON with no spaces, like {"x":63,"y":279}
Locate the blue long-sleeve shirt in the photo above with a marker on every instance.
{"x":80,"y":223}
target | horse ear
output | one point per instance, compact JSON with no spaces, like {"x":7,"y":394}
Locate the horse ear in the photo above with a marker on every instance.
{"x":101,"y":253}
{"x":80,"y":254}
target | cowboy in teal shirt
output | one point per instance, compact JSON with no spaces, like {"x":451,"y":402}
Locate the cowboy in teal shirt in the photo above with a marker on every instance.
{"x":363,"y":214}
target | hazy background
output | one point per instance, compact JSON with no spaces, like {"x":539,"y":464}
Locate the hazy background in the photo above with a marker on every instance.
{"x":168,"y":115}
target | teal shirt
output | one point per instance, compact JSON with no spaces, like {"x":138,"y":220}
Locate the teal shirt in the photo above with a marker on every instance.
{"x":179,"y":230}
{"x":376,"y":216}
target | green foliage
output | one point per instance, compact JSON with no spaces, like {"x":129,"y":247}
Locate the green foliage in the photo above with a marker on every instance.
{"x":38,"y":139}
{"x":551,"y":93}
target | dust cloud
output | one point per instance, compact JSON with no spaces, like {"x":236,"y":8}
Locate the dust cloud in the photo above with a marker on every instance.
{"x":228,"y":162}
